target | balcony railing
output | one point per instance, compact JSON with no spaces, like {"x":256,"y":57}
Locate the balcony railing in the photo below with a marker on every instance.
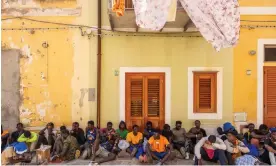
{"x":129,"y":5}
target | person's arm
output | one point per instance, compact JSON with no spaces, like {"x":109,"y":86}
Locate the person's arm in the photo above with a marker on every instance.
{"x":229,"y":148}
{"x":243,"y":148}
{"x":220,"y":144}
{"x":268,"y":147}
{"x":146,"y":133}
{"x":254,"y":135}
{"x":33,"y":138}
{"x":82,"y":136}
{"x":43,"y":130}
{"x":198,"y":146}
{"x":22,"y":138}
{"x":190,"y":134}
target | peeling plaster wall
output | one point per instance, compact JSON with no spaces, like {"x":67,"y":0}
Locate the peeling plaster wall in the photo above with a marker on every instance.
{"x":53,"y":78}
{"x":10,"y":86}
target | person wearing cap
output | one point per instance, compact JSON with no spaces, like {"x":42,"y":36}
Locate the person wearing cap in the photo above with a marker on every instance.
{"x":270,"y":145}
{"x":210,"y":148}
{"x":234,"y":147}
{"x":158,"y":148}
{"x":226,"y":128}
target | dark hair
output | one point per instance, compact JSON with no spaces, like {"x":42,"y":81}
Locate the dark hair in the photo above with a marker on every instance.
{"x":1,"y":129}
{"x":20,"y":124}
{"x":178,"y":122}
{"x":109,"y":123}
{"x":234,"y":133}
{"x":62,"y":128}
{"x":76,"y":123}
{"x":263,"y":127}
{"x":122,"y":122}
{"x":149,"y":123}
{"x":212,"y":138}
{"x":166,"y":126}
{"x":197,"y":121}
{"x":135,"y":126}
{"x":51,"y":124}
{"x":65,"y":132}
{"x":250,"y":124}
{"x":27,"y":133}
{"x":91,"y":122}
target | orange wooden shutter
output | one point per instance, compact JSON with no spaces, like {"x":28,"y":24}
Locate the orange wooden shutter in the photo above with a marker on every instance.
{"x":205,"y":85}
{"x":153,"y":97}
{"x":134,"y":100}
{"x":270,"y":96}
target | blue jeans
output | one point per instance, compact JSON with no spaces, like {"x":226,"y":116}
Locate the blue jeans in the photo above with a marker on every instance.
{"x":139,"y":148}
{"x":160,"y":155}
{"x":218,"y":156}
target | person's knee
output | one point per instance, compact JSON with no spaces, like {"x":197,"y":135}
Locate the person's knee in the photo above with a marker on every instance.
{"x":112,"y":156}
{"x":220,"y":151}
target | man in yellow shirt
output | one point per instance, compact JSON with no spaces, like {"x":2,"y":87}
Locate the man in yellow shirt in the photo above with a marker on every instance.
{"x":159,"y":148}
{"x":135,"y":140}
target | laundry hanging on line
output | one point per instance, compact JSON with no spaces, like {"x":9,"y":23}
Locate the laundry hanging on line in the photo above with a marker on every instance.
{"x":217,"y":20}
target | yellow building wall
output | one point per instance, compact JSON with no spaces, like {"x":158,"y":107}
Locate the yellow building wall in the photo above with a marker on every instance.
{"x":257,"y":3}
{"x":54,"y":78}
{"x":177,"y":53}
{"x":245,"y":87}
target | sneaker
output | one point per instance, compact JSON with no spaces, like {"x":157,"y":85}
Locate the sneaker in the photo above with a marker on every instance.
{"x":194,"y":158}
{"x":77,"y":155}
{"x":187,"y":157}
{"x":159,"y":163}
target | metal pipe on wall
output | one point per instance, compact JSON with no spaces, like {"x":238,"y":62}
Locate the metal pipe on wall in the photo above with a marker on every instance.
{"x":99,"y":63}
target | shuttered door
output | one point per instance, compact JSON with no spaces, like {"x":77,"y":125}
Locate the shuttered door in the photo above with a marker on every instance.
{"x":155,"y":100}
{"x":145,"y":99}
{"x":205,"y":92}
{"x":270,"y":95}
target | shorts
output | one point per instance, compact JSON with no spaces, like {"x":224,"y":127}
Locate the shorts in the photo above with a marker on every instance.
{"x":102,"y":152}
{"x":160,"y":155}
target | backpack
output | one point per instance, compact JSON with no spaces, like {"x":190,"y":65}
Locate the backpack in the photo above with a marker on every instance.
{"x":247,"y":160}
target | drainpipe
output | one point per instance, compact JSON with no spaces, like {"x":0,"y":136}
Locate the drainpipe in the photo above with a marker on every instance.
{"x":99,"y":63}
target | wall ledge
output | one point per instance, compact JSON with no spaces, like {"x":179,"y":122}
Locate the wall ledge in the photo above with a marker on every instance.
{"x":17,"y":12}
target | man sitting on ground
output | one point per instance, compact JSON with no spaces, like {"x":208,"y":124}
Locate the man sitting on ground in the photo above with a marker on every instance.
{"x":91,"y":135}
{"x":16,"y":134}
{"x":78,"y":133}
{"x":30,"y":138}
{"x":195,"y":134}
{"x":234,"y":148}
{"x":135,"y":140}
{"x":247,"y":135}
{"x":270,"y":145}
{"x":159,"y":148}
{"x":149,"y":130}
{"x":166,"y":132}
{"x":109,"y":132}
{"x":57,"y":149}
{"x":47,"y":136}
{"x":179,"y":140}
{"x":103,"y":148}
{"x":212,"y":149}
{"x":70,"y":146}
{"x":258,"y":138}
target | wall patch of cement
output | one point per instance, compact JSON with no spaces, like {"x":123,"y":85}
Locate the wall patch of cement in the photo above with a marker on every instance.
{"x":10,"y":88}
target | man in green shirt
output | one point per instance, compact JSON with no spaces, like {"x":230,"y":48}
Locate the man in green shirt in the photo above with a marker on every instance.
{"x":30,"y":138}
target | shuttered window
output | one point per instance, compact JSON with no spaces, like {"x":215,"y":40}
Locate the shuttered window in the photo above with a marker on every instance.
{"x":153,"y":97}
{"x":136,"y":95}
{"x":205,"y":92}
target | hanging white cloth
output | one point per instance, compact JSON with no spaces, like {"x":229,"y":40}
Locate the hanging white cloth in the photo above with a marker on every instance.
{"x":151,"y":14}
{"x":217,"y":20}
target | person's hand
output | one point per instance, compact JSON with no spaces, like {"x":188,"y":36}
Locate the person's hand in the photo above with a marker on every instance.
{"x":269,"y":148}
{"x":199,"y":161}
{"x":235,"y":150}
{"x":199,"y":136}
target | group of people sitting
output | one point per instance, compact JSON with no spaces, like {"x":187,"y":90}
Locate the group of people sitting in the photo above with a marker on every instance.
{"x":228,"y":148}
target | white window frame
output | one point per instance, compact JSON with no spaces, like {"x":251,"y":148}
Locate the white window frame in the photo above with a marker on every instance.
{"x":218,"y":114}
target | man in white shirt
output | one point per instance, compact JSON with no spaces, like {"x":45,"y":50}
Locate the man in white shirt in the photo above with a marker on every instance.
{"x":210,"y":148}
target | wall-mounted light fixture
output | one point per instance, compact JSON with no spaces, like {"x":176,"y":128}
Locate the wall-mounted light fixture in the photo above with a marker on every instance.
{"x":252,"y":52}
